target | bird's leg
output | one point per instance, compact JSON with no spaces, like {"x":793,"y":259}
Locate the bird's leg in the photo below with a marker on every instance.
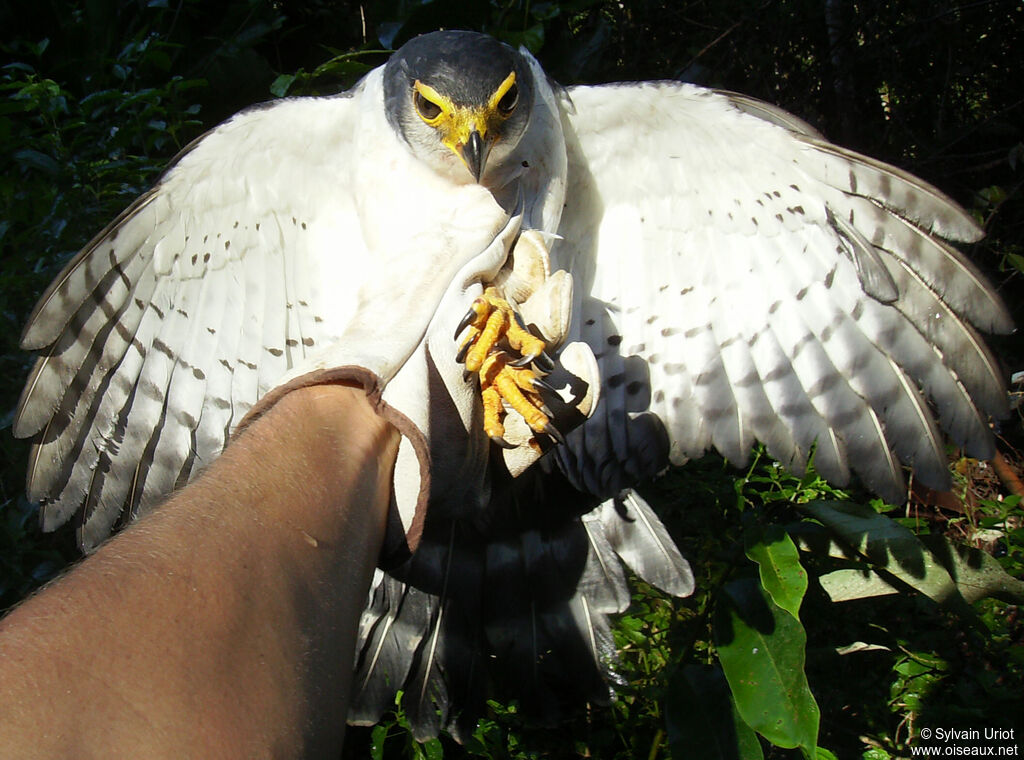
{"x":490,"y":319}
{"x":499,"y":349}
{"x":509,"y":359}
{"x":520,"y":388}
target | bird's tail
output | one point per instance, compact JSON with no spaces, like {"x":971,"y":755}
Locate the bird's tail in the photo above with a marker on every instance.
{"x":518,"y":609}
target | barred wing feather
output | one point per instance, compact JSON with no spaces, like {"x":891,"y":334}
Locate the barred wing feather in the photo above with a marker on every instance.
{"x":744,"y":280}
{"x":163,"y":331}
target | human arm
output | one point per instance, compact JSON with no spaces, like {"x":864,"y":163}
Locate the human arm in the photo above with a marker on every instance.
{"x":222,"y":624}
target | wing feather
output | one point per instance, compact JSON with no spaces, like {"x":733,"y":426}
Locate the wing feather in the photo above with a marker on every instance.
{"x":189,"y":386}
{"x":782,"y":289}
{"x":167,"y":326}
{"x":215,"y":417}
{"x":938,"y":264}
{"x":273,"y":356}
{"x":399,"y":617}
{"x":78,"y":282}
{"x":905,"y":195}
{"x":636,"y":534}
{"x":602,"y":581}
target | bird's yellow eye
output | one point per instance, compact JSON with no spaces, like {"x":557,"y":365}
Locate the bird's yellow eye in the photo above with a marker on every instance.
{"x":509,"y":100}
{"x":428,"y":110}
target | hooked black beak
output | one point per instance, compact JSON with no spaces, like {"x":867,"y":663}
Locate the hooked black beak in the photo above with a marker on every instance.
{"x":474,"y":153}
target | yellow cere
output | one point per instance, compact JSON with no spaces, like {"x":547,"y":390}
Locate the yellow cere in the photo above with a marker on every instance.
{"x":457,"y":123}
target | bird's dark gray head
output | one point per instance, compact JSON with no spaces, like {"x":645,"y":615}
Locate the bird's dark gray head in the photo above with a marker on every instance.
{"x":458,"y":93}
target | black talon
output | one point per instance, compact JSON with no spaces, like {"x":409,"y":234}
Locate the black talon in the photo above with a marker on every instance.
{"x":543,"y":362}
{"x":499,"y":441}
{"x":522,"y":361}
{"x":466,"y":322}
{"x":540,"y":385}
{"x":466,"y":375}
{"x":461,"y":356}
{"x":552,"y":431}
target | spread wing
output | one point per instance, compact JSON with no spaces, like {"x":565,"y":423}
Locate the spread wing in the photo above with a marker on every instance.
{"x":742,"y":279}
{"x":162,"y":332}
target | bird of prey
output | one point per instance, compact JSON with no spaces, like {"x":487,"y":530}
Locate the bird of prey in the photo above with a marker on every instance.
{"x":737,"y":278}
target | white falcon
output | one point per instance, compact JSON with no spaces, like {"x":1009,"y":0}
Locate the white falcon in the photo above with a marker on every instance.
{"x":737,"y":277}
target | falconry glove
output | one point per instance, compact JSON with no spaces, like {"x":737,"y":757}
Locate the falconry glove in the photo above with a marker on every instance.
{"x":409,"y":369}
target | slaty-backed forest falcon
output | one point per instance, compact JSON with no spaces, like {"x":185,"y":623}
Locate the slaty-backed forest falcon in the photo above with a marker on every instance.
{"x":555,"y":293}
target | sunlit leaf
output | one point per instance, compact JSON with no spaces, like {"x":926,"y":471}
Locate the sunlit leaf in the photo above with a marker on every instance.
{"x":977,"y":574}
{"x":888,"y":546}
{"x":761,"y":648}
{"x":855,"y":583}
{"x":782,"y":575}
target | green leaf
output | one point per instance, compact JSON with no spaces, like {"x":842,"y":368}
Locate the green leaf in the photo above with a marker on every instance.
{"x":1016,"y":261}
{"x":345,"y":65}
{"x":889,"y":546}
{"x":37,"y":160}
{"x":378,"y":737}
{"x":432,"y":749}
{"x":782,"y":575}
{"x":875,"y":753}
{"x":702,"y":719}
{"x":279,"y":87}
{"x":977,"y":574}
{"x":761,"y":649}
{"x":855,"y":583}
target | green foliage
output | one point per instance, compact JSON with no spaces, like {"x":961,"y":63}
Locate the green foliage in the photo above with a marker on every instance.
{"x":880,"y":619}
{"x":761,"y":649}
{"x":782,"y":575}
{"x":703,"y":721}
{"x":71,"y":161}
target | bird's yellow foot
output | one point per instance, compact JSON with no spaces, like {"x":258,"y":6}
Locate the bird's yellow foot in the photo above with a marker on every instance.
{"x":520,"y":388}
{"x":490,"y":320}
{"x":495,"y":334}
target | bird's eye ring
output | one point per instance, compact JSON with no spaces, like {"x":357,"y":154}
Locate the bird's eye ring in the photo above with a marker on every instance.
{"x":427,"y":109}
{"x":509,"y":101}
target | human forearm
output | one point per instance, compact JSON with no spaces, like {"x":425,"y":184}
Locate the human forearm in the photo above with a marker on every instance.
{"x":224,"y":621}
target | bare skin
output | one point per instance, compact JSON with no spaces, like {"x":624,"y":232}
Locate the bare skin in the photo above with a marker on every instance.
{"x":222,"y":624}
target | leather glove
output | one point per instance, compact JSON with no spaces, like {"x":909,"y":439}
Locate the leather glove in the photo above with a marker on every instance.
{"x":412,"y":376}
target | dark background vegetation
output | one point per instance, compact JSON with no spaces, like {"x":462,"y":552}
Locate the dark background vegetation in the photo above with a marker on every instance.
{"x":98,"y":95}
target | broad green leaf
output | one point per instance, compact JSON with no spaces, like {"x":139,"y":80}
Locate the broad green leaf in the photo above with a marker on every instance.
{"x":782,"y":575}
{"x":37,"y":160}
{"x":432,"y":749}
{"x":702,"y":719}
{"x":854,"y":583}
{"x":816,"y":539}
{"x":977,"y":574}
{"x":280,"y":86}
{"x":761,"y":648}
{"x":888,"y":546}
